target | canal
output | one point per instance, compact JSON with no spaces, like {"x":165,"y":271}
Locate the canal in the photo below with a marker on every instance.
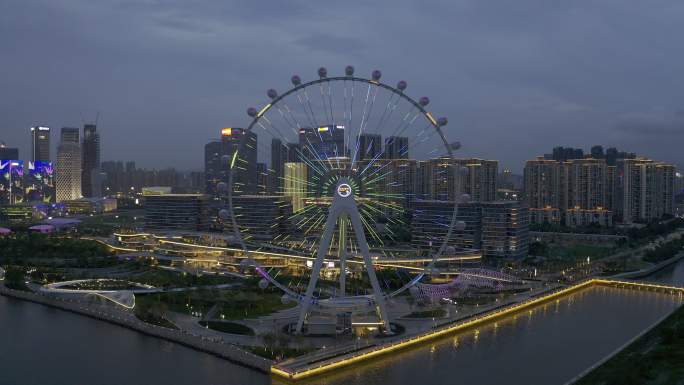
{"x":549,"y":345}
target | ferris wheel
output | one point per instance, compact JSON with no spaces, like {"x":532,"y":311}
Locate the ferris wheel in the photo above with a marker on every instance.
{"x":339,"y":162}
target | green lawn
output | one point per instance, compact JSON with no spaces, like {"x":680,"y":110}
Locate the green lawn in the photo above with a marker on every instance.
{"x":579,"y":251}
{"x":164,"y":278}
{"x":27,"y":247}
{"x":152,"y":312}
{"x":248,"y":304}
{"x":235,"y":304}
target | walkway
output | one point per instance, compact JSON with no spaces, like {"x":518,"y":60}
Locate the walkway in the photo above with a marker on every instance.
{"x":309,"y":365}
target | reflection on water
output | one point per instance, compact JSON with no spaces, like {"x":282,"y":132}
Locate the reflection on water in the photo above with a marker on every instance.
{"x":45,"y":346}
{"x":546,"y":345}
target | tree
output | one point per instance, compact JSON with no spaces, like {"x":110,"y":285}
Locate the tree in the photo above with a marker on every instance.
{"x":15,"y":278}
{"x":269,"y":340}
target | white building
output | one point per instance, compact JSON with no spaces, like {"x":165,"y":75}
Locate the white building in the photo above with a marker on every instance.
{"x":68,"y":166}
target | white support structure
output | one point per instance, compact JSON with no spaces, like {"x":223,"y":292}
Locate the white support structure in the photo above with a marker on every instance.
{"x":343,"y":205}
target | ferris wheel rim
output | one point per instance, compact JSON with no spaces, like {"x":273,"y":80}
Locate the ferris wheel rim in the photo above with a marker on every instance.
{"x":429,"y":269}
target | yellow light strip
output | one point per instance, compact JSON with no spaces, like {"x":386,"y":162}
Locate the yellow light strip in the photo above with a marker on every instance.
{"x":263,"y":110}
{"x":429,"y":116}
{"x":110,"y":246}
{"x":131,"y":235}
{"x":478,"y":320}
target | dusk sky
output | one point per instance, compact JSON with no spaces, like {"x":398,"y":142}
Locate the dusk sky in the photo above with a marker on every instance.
{"x":515,"y":78}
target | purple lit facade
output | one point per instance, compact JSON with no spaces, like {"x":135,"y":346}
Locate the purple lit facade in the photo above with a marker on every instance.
{"x":40,"y":182}
{"x":11,"y":181}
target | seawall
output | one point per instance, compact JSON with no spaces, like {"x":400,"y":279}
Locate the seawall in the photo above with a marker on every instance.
{"x":127,"y":319}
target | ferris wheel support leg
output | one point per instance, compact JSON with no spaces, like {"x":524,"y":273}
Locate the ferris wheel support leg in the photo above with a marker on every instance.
{"x":316,"y":270}
{"x":363,"y":245}
{"x":342,"y":255}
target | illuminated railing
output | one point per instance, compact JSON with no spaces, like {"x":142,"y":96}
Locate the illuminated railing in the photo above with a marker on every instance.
{"x":110,"y":245}
{"x":471,"y":322}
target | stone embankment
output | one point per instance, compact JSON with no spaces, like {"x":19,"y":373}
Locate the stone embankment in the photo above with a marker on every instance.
{"x":127,"y":319}
{"x":644,"y":273}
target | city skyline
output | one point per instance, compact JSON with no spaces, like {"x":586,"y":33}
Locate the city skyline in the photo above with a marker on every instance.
{"x":535,"y":91}
{"x":354,"y":193}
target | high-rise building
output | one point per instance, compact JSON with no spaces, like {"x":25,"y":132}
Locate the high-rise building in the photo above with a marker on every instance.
{"x":263,"y":217}
{"x":574,"y":192}
{"x":121,"y":178}
{"x":679,"y":183}
{"x":39,"y":182}
{"x":68,"y":166}
{"x":262,"y":181}
{"x":588,"y":183}
{"x":11,"y":181}
{"x":11,"y":175}
{"x":90,"y":177}
{"x":391,"y":180}
{"x":401,"y":180}
{"x":370,"y":146}
{"x":448,"y":178}
{"x":177,"y":212}
{"x":8,"y":153}
{"x":645,"y":190}
{"x":505,"y":229}
{"x":546,"y":189}
{"x":579,"y":192}
{"x":295,"y":184}
{"x":320,"y":143}
{"x":40,"y":144}
{"x":214,"y":171}
{"x":480,"y":179}
{"x":245,"y":163}
{"x":219,"y":157}
{"x":611,"y":188}
{"x":562,"y":154}
{"x":281,"y":153}
{"x":396,"y":147}
{"x":69,"y":134}
{"x":500,"y":229}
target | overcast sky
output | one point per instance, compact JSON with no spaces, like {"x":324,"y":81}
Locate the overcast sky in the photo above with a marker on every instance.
{"x":515,"y":78}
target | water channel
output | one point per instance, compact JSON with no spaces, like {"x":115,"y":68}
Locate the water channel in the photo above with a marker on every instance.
{"x":549,"y":345}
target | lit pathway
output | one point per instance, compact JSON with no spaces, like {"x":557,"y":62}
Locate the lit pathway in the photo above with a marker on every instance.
{"x":326,"y":360}
{"x":191,"y":325}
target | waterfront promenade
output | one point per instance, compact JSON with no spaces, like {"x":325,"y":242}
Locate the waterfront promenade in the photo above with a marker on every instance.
{"x":336,"y":357}
{"x":308,"y":366}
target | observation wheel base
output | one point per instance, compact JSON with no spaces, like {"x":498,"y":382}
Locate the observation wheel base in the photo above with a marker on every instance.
{"x":322,"y":327}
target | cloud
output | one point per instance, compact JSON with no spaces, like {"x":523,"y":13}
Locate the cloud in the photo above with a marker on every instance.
{"x":530,"y":74}
{"x":664,"y":126}
{"x":330,"y":43}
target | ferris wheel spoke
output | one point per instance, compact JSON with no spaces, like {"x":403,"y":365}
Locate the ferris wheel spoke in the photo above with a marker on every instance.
{"x":324,"y":104}
{"x":330,"y":103}
{"x":322,"y":162}
{"x":308,"y":104}
{"x":291,"y":120}
{"x":303,"y":104}
{"x":361,"y":124}
{"x":424,"y":136}
{"x":387,"y":112}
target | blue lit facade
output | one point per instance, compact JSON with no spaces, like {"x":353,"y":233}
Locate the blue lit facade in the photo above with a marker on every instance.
{"x":11,"y":181}
{"x":39,"y":183}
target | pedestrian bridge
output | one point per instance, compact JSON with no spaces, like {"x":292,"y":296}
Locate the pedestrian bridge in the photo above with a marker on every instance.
{"x":125,"y":298}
